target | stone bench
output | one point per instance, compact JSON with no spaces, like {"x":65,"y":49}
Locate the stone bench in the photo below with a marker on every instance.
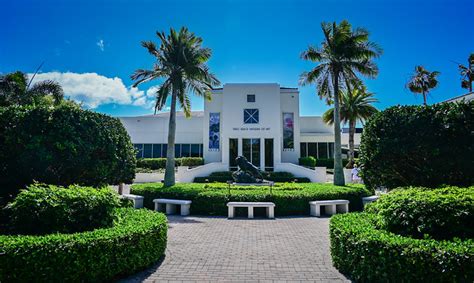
{"x":137,"y":200}
{"x":270,"y":207}
{"x":171,"y":205}
{"x":366,"y":200}
{"x":332,"y":206}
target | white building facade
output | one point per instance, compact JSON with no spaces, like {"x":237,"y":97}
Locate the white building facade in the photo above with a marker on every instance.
{"x":259,"y":121}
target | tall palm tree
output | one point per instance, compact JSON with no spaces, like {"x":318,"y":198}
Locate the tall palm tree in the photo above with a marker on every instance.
{"x":422,"y":81}
{"x":344,"y":53}
{"x":181,"y":63}
{"x":356,"y":105}
{"x":467,"y":73}
{"x":17,"y":89}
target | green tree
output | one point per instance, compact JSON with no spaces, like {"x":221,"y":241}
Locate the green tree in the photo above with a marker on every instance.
{"x":467,"y":73}
{"x":344,"y":53}
{"x":17,"y":89}
{"x":356,"y":105}
{"x":422,"y":81}
{"x":181,"y":63}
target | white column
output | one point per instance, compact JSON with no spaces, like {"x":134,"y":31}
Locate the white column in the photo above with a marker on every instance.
{"x":240,"y":149}
{"x":231,"y":211}
{"x":250,"y":211}
{"x":262,"y":154}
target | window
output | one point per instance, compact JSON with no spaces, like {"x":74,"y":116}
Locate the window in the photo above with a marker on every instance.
{"x":317,"y":149}
{"x":251,"y":116}
{"x":251,"y":150}
{"x":195,"y":150}
{"x":147,"y":150}
{"x":185,"y":150}
{"x":250,"y":97}
{"x":139,"y":148}
{"x":156,"y":150}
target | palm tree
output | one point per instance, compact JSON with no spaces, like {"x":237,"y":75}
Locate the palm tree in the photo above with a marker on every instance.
{"x":17,"y":89}
{"x":356,"y":105}
{"x":343,"y":53}
{"x":467,"y":73}
{"x":422,"y":81}
{"x":181,"y":63}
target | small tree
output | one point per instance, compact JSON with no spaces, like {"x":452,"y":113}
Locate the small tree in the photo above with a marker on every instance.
{"x":356,"y":105}
{"x":422,"y":81}
{"x":467,"y":73}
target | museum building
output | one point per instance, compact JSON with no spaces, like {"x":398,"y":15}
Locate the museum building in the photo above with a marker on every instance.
{"x":260,"y":121}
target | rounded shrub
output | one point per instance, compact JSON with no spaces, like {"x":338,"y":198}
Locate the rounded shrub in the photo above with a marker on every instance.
{"x":62,"y":145}
{"x":44,"y":209}
{"x":420,"y":213}
{"x":424,"y":146}
{"x":289,"y":198}
{"x":136,"y":240}
{"x":368,"y":254}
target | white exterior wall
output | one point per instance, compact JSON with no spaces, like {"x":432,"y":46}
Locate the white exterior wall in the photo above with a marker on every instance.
{"x":290,"y":104}
{"x":215,"y":105}
{"x":154,"y":128}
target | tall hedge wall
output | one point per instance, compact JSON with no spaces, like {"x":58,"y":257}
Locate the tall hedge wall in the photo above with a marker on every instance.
{"x":62,"y":145}
{"x":419,"y":146}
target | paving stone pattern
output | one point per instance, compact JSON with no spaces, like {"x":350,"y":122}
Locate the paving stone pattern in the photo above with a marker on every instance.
{"x":215,"y":249}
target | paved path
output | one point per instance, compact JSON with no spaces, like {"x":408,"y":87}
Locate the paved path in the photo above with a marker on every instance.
{"x":208,"y":249}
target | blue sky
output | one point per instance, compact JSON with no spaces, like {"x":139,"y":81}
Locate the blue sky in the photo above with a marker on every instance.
{"x":93,"y":47}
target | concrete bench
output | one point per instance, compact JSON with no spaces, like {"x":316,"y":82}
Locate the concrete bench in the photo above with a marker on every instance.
{"x":366,"y":200}
{"x":171,"y":205}
{"x":270,"y":207}
{"x":332,"y":206}
{"x":137,"y":200}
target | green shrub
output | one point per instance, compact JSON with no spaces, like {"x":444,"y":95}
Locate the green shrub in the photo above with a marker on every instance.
{"x":419,"y":146}
{"x":160,"y":163}
{"x":62,"y":145}
{"x":416,"y":212}
{"x":328,"y":162}
{"x":151,"y":163}
{"x":137,"y":240}
{"x":307,"y":161}
{"x":191,"y":161}
{"x":290,"y":198}
{"x":224,"y":176}
{"x":44,"y":209}
{"x":367,"y":254}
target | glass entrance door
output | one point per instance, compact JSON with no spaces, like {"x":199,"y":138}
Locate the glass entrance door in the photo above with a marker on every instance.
{"x":268,"y":154}
{"x":233,"y":153}
{"x":251,"y":150}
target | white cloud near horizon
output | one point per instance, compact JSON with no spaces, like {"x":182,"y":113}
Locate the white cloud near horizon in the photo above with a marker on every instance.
{"x":92,"y":89}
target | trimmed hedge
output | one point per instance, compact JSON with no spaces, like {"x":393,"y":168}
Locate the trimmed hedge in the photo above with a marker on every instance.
{"x":328,"y":162}
{"x":62,"y":145}
{"x":44,"y":209}
{"x":160,"y":163}
{"x":424,"y":146}
{"x":367,"y":254}
{"x":420,"y":213}
{"x":224,"y":176}
{"x":290,"y":198}
{"x":307,"y":161}
{"x":137,"y":240}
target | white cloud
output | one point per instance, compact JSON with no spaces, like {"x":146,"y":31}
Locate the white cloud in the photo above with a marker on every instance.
{"x":101,"y":44}
{"x":93,"y":89}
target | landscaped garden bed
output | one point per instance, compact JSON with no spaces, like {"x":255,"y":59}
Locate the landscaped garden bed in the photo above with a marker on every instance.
{"x":289,"y":198}
{"x":77,"y":234}
{"x":409,"y":235}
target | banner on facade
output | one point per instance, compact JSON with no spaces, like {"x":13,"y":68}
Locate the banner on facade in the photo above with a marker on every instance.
{"x":214,"y":131}
{"x":288,"y":131}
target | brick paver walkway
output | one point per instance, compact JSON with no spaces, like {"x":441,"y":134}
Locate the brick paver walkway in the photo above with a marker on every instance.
{"x":208,"y":249}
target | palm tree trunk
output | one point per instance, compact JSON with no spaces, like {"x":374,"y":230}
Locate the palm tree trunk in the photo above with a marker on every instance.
{"x":338,"y":171}
{"x":424,"y":98}
{"x":170,"y":161}
{"x":352,"y":128}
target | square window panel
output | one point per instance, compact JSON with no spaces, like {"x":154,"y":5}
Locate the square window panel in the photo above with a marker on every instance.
{"x":250,"y":97}
{"x":251,"y":116}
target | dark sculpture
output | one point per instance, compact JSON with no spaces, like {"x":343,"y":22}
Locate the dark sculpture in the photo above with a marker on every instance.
{"x":247,"y":173}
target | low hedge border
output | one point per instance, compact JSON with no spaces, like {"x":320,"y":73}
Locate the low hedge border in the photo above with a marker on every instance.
{"x":160,"y":163}
{"x":289,"y":198}
{"x":137,"y":240}
{"x":367,"y":254}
